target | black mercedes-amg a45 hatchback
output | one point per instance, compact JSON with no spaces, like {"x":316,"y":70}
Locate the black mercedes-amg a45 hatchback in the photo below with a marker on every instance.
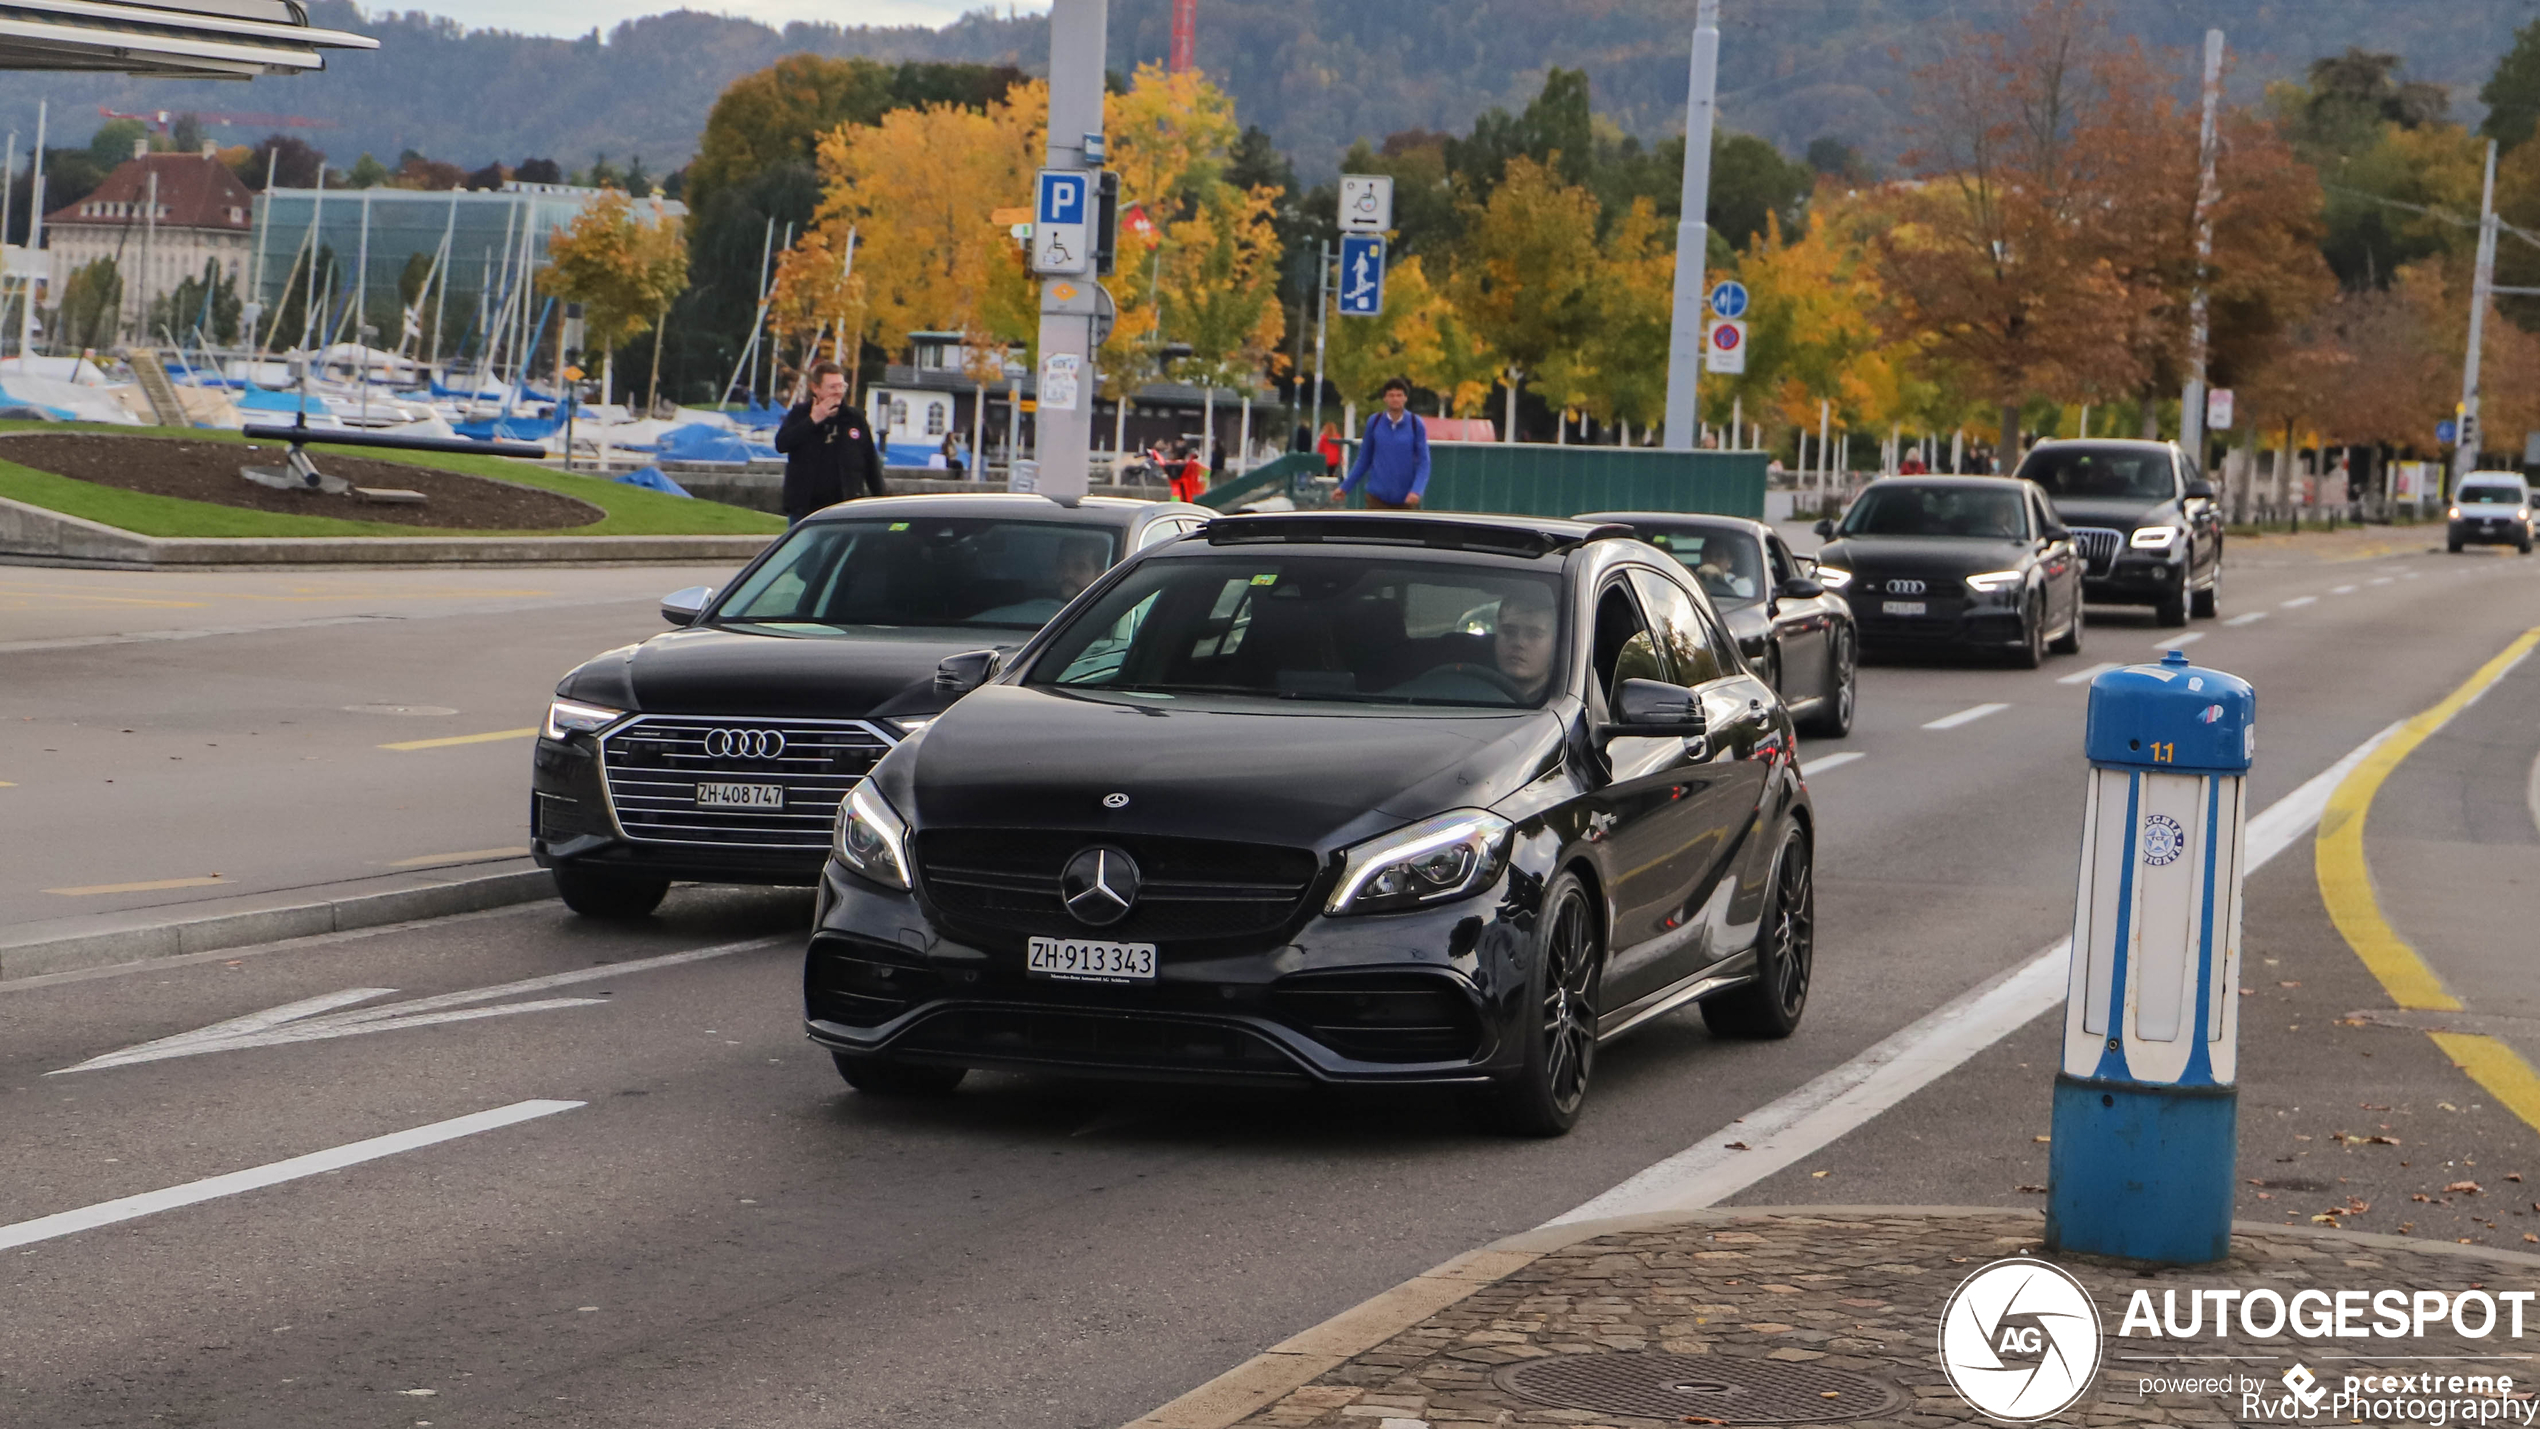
{"x":1330,"y":798}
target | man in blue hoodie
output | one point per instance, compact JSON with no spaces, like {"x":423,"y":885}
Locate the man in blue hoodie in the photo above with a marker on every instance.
{"x":1393,"y":458}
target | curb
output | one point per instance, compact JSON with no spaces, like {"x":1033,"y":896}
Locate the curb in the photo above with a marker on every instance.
{"x":246,"y":928}
{"x":32,"y":535}
{"x":1266,"y":1377}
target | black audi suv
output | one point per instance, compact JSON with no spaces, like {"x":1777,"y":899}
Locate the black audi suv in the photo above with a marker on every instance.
{"x":1331,"y":798}
{"x":1969,"y":561}
{"x":1792,"y":630}
{"x":717,"y":752}
{"x":2143,"y":518}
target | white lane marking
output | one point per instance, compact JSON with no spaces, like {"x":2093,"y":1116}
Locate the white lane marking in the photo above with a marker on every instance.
{"x":302,"y":1021}
{"x":150,"y":1203}
{"x":2345,"y":590}
{"x":2252,"y":618}
{"x":2413,"y":575}
{"x":1811,"y":1118}
{"x":2297,"y":602}
{"x":1831,"y":761}
{"x":2175,"y":641}
{"x":2084,"y":677}
{"x":2381,"y":580}
{"x":1966,"y":716}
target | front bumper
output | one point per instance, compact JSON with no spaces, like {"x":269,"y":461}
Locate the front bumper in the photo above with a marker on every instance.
{"x":1432,"y":997}
{"x":2137,"y":578}
{"x":571,"y":822}
{"x":2505,"y":531}
{"x":1945,"y":621}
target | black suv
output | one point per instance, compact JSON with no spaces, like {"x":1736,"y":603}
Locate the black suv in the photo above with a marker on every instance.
{"x":718,"y":752}
{"x":2145,"y":521}
{"x":1332,"y":798}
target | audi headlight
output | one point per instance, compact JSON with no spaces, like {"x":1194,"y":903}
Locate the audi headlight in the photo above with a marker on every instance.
{"x":566,"y":717}
{"x":871,"y":838}
{"x":2453,"y":514}
{"x":1834,"y":578}
{"x":910,"y":724}
{"x":1433,"y":861}
{"x":2154,"y":538}
{"x":1996,"y":582}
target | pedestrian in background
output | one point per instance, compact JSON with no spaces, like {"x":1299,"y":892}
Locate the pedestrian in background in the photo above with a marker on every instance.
{"x":952,"y":456}
{"x":1330,"y":448}
{"x":1393,"y":454}
{"x":828,"y":448}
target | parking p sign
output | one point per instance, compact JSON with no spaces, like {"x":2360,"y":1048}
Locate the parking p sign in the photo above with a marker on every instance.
{"x":1062,"y":226}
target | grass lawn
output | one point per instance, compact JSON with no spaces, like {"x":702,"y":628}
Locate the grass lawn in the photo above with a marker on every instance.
{"x":632,"y":511}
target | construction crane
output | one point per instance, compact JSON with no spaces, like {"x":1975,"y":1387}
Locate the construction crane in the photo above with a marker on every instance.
{"x":1185,"y":28}
{"x":161,"y":119}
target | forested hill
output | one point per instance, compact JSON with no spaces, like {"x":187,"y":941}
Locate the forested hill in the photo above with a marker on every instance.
{"x":1316,"y":73}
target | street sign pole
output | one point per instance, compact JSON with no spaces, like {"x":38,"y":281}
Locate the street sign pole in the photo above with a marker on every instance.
{"x":1322,"y":309}
{"x":1064,"y":422}
{"x":1693,"y":234}
{"x":2465,"y":450}
{"x":2191,"y":409}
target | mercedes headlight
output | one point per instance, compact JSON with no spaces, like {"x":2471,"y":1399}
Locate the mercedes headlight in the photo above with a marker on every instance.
{"x":1433,"y":861}
{"x":1834,"y":578}
{"x":2454,"y":514}
{"x":2154,"y":538}
{"x":871,"y":839}
{"x":566,"y":717}
{"x":1996,"y":582}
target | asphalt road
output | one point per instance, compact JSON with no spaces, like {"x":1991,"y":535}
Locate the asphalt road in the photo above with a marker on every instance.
{"x":720,"y":1234}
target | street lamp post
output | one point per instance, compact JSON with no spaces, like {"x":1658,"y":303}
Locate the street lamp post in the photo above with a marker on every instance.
{"x":1693,"y":233}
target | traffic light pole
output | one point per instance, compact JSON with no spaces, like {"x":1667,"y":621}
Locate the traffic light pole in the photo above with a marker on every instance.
{"x":1063,"y":426}
{"x":1693,"y":235}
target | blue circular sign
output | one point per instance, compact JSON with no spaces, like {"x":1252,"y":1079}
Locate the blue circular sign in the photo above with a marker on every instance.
{"x":1729,"y":299}
{"x":2446,"y":432}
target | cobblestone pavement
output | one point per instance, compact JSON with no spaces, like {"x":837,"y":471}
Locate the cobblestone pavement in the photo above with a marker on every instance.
{"x":1755,"y":1296}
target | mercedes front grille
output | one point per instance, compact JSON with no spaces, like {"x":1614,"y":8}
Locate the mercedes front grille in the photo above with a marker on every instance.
{"x":655,"y":764}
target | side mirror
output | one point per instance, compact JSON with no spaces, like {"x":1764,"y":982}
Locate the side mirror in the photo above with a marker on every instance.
{"x":2200,"y":491}
{"x":2059,"y":533}
{"x":1800,"y":588}
{"x":960,"y":674}
{"x":1825,"y":529}
{"x":1655,"y":709}
{"x":682,"y":607}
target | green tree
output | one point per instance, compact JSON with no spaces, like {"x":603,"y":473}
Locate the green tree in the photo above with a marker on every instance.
{"x":113,"y":142}
{"x":91,"y":299}
{"x":2512,"y":93}
{"x":368,"y":173}
{"x":1556,"y":122}
{"x":1522,"y":274}
{"x":207,"y":306}
{"x":622,"y":267}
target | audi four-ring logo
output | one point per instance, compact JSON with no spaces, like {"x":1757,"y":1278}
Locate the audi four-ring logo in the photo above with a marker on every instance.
{"x":745,"y":743}
{"x":1904,"y":587}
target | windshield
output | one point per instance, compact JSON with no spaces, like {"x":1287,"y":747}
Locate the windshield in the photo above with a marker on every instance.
{"x":1376,"y":629}
{"x":939,"y":570}
{"x":2104,"y":475}
{"x":1727,"y":563}
{"x":1900,"y":510}
{"x":2491,"y":495}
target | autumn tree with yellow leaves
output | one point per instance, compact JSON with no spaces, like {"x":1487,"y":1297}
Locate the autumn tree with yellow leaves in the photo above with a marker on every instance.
{"x":623,"y":267}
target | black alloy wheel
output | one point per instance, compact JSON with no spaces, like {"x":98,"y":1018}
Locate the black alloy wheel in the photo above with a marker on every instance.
{"x":882,"y":1077}
{"x":598,"y":893}
{"x":1544,"y":1097}
{"x":2208,"y":602}
{"x":1785,"y":955}
{"x":2032,"y":648}
{"x":1833,"y":718}
{"x":2069,"y":643}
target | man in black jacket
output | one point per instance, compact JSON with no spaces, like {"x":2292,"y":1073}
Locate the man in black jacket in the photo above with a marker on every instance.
{"x":829,"y":452}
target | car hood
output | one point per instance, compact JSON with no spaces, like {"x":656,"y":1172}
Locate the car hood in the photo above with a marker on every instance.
{"x":715,"y":671}
{"x":1009,"y":756}
{"x":1923,"y":555}
{"x":2115,"y":513}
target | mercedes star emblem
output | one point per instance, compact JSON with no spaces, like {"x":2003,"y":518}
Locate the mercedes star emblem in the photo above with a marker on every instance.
{"x":1115,"y":801}
{"x":1099,"y":886}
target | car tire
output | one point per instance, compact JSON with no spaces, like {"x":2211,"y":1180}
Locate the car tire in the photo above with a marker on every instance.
{"x":2453,"y":546}
{"x":1785,"y":955}
{"x":2069,"y":643}
{"x":1544,"y":1096}
{"x":2031,"y":651}
{"x":2170,"y":611}
{"x":1833,"y":719}
{"x":598,"y":893}
{"x":882,"y":1077}
{"x":2207,"y":603}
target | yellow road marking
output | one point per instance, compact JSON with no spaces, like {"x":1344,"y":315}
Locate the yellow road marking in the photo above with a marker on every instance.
{"x":449,"y":740}
{"x":2345,"y":878}
{"x":2498,"y":1068}
{"x":151,"y":887}
{"x":420,"y":860}
{"x":5,"y":784}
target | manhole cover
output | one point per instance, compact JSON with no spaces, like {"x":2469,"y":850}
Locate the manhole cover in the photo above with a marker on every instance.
{"x":1731,"y":1391}
{"x":400,"y":709}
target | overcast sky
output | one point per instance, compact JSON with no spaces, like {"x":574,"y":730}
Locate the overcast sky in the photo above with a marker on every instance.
{"x":576,"y":17}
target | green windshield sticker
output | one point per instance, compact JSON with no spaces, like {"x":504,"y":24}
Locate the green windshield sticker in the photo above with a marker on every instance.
{"x":1270,"y":578}
{"x":899,"y":525}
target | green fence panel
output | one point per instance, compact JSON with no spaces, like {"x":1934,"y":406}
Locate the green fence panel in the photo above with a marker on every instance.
{"x":1531,"y":479}
{"x":1271,"y":478}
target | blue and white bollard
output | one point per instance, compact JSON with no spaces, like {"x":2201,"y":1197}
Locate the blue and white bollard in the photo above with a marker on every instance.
{"x":2146,"y":1110}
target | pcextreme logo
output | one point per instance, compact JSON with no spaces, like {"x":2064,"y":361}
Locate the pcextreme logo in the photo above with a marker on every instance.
{"x":2020,"y":1340}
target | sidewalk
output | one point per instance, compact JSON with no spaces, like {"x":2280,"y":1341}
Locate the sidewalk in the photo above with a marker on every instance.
{"x":1827,"y":1315}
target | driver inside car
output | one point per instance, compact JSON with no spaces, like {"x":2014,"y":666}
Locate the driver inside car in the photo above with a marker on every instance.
{"x":1077,"y":563}
{"x":1522,"y":638}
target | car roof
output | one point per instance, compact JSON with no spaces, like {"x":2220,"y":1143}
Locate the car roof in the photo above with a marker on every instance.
{"x":1664,"y":520}
{"x":1978,"y":483}
{"x":2114,"y":444}
{"x":1528,"y":536}
{"x":1014,"y":505}
{"x":2495,"y":476}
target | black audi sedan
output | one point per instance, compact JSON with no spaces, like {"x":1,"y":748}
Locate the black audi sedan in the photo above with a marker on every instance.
{"x":1971,"y":561}
{"x":717,"y":752}
{"x":1325,"y":798}
{"x":2144,"y":521}
{"x":1793,"y":631}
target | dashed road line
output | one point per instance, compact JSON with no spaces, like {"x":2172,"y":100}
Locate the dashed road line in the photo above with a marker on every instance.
{"x":447,"y":740}
{"x":1831,"y":761}
{"x":1966,"y":716}
{"x":2084,"y":677}
{"x":316,"y":1163}
{"x":2345,"y":590}
{"x":2297,"y":602}
{"x":2176,"y":641}
{"x":2252,"y":618}
{"x":2381,"y":580}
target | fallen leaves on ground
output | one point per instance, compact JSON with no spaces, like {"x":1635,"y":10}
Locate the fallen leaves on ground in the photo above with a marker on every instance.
{"x":2466,"y":1188}
{"x":2034,"y":1190}
{"x":1740,"y":1146}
